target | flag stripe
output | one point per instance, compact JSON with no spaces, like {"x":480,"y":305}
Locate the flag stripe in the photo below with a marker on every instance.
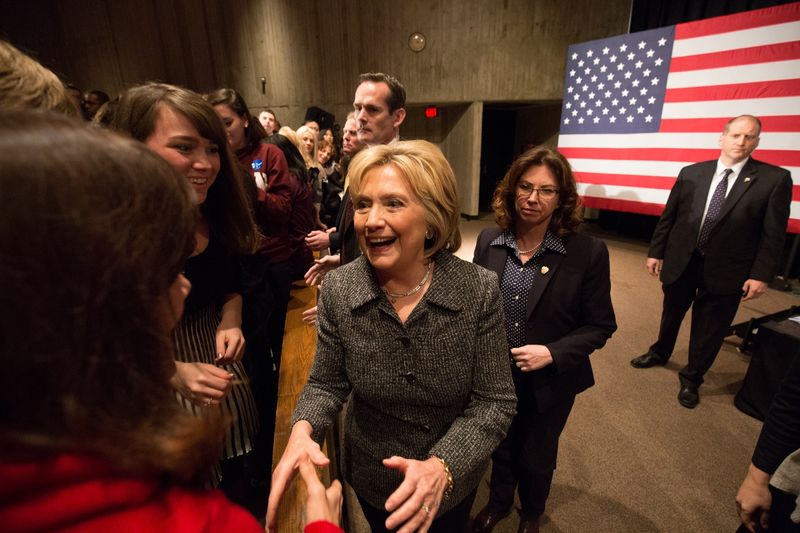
{"x":702,"y":139}
{"x":777,"y":88}
{"x":769,"y":124}
{"x":757,"y":36}
{"x":787,"y":157}
{"x":653,"y":168}
{"x":780,"y":70}
{"x":731,"y":108}
{"x":738,"y":21}
{"x":742,"y":56}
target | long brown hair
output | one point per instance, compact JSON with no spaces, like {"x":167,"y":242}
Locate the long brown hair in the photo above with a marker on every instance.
{"x":93,"y":234}
{"x":226,"y":208}
{"x":566,"y":217}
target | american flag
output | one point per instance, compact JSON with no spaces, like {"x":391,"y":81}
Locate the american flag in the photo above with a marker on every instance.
{"x":639,"y":107}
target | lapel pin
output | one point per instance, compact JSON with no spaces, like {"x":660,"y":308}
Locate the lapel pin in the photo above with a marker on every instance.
{"x":545,"y":270}
{"x":747,"y":179}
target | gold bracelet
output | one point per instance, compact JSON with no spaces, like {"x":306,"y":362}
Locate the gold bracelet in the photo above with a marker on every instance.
{"x":449,"y":475}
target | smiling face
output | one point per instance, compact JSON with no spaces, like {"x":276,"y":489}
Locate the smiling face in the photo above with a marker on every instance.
{"x":234,"y":126}
{"x":739,"y":140}
{"x":376,"y":123}
{"x":535,"y":208}
{"x":323,"y":155}
{"x":177,"y":140}
{"x":390,"y":222}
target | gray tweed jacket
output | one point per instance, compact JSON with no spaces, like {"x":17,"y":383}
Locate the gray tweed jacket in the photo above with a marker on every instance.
{"x":440,"y":384}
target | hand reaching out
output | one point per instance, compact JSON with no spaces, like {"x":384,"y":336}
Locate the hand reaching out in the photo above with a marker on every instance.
{"x":201,"y":383}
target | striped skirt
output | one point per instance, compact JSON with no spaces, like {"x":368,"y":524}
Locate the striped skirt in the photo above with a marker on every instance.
{"x":195,"y":342}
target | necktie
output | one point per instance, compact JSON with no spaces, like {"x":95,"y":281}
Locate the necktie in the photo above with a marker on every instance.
{"x":714,"y":208}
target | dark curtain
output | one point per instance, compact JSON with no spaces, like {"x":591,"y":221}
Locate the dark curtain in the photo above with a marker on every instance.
{"x":649,"y":14}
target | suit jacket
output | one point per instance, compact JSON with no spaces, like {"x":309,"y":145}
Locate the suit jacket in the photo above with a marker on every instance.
{"x":747,"y":241}
{"x":345,"y":234}
{"x":569,"y":310}
{"x":439,"y":384}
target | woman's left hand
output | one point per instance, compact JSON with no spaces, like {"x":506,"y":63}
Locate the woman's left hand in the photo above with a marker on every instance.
{"x":230,"y":345}
{"x":416,"y":501}
{"x":531,"y":357}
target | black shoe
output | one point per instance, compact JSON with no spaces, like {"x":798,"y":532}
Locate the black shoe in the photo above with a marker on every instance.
{"x":688,"y":396}
{"x":648,"y":359}
{"x":486,"y":520}
{"x":527,"y":525}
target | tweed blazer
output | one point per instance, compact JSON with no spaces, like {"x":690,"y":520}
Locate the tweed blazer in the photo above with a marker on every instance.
{"x":747,"y":242}
{"x":440,"y":384}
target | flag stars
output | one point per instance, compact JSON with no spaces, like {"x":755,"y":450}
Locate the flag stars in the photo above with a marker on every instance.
{"x":568,"y":105}
{"x":643,"y":91}
{"x":632,"y":101}
{"x":662,"y":42}
{"x":628,"y":75}
{"x":625,"y":92}
{"x":576,"y":97}
{"x":587,"y":70}
{"x":651,"y":53}
{"x":630,"y":118}
{"x":617,"y":84}
{"x":648,"y":118}
{"x":589,"y":112}
{"x":596,"y":120}
{"x":610,"y":76}
{"x":580,"y":120}
{"x":659,"y":61}
{"x":639,"y":64}
{"x":646,"y":72}
{"x":640,"y":109}
{"x":599,"y":103}
{"x":566,"y":121}
{"x":589,"y":53}
{"x":623,"y":110}
{"x":578,"y":80}
{"x":641,"y":45}
{"x":654,"y":81}
{"x":580,"y":63}
{"x":605,"y":111}
{"x":574,"y":55}
{"x":594,"y":78}
{"x":601,"y":86}
{"x":623,"y":47}
{"x":603,"y":68}
{"x":631,"y":56}
{"x":591,"y":96}
{"x":613,"y":59}
{"x":596,"y":61}
{"x":574,"y":112}
{"x":620,"y":66}
{"x":651,"y":100}
{"x":583,"y":104}
{"x":612,"y":119}
{"x":635,"y":83}
{"x":614,"y":102}
{"x":572,"y":73}
{"x":569,"y":89}
{"x":608,"y":94}
{"x":585,"y":88}
{"x":606,"y":50}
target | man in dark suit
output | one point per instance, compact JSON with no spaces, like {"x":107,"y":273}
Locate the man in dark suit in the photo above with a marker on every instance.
{"x":719,"y":240}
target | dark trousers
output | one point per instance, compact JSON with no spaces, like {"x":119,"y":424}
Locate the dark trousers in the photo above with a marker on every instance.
{"x":526,"y":458}
{"x":280,"y":276}
{"x":712,"y":315}
{"x":456,"y":520}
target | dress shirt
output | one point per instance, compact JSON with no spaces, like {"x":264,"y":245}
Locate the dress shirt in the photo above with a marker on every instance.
{"x":737,"y":168}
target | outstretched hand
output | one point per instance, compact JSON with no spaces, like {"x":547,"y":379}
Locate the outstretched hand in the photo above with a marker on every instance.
{"x":321,"y":267}
{"x":322,"y":504}
{"x":416,"y":501}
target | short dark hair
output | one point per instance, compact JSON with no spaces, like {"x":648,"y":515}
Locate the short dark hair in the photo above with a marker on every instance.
{"x":566,"y":217}
{"x":101,"y":95}
{"x":87,"y":262}
{"x":254,"y":132}
{"x":397,"y":93}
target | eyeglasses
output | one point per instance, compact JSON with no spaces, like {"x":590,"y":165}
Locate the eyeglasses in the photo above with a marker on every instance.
{"x":526,"y":189}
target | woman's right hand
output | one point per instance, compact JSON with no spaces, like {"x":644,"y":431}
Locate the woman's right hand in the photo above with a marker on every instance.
{"x":301,"y":447}
{"x":320,"y":268}
{"x":201,"y":383}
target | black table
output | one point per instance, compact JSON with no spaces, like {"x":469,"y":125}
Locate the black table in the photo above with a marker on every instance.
{"x":776,"y":345}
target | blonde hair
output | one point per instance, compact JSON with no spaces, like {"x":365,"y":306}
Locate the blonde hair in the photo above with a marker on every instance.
{"x":310,"y":159}
{"x":431,"y":179}
{"x":25,"y":84}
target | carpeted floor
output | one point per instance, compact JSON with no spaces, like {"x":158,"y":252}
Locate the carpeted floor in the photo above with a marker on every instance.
{"x":631,"y":458}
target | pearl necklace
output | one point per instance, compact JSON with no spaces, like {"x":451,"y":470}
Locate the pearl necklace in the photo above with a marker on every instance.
{"x":525,"y":252}
{"x":393,"y":297}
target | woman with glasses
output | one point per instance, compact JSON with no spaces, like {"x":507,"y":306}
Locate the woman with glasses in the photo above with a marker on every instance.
{"x":556,"y":299}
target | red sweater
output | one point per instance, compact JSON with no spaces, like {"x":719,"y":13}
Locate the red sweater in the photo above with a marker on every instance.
{"x":267,"y":165}
{"x":322,"y":526}
{"x":72,"y":493}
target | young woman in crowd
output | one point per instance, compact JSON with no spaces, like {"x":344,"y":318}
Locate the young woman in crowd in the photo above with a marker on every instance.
{"x":92,"y":437}
{"x":556,"y":294}
{"x":416,"y":335}
{"x":332,"y":182}
{"x":182,"y":128}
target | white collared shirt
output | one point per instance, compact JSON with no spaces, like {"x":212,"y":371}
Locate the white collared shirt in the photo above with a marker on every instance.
{"x":737,"y":169}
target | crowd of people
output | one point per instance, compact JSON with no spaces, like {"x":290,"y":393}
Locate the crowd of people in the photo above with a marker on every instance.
{"x":148,"y":288}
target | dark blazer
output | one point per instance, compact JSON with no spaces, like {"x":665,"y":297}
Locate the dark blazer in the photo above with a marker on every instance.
{"x":569,"y":310}
{"x":345,"y":235}
{"x":438,"y":384}
{"x":746,"y":242}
